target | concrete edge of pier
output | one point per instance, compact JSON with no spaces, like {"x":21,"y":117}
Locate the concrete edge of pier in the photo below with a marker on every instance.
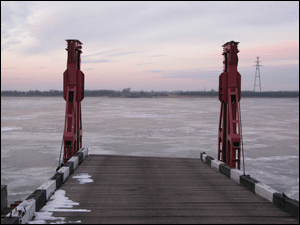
{"x":279,"y":199}
{"x":25,"y":211}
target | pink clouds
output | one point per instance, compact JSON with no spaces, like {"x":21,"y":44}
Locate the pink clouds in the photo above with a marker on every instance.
{"x":281,"y":51}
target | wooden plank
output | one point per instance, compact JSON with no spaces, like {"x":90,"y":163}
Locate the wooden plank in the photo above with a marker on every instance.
{"x":129,"y":189}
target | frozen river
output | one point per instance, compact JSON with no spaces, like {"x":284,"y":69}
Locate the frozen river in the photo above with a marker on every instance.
{"x":32,"y":130}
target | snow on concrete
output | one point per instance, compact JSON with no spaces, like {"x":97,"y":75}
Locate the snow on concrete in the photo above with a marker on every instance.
{"x":83,"y":178}
{"x":57,"y":203}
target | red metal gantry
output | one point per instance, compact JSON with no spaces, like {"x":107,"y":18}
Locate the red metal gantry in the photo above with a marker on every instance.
{"x":73,"y":94}
{"x":229,"y":138}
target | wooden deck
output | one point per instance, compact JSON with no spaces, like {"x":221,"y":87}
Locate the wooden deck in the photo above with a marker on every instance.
{"x":129,"y":189}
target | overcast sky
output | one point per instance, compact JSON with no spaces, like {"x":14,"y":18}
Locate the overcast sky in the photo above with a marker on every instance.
{"x":160,"y":46}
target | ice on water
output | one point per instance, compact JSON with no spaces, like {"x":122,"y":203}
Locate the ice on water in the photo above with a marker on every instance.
{"x":3,"y":129}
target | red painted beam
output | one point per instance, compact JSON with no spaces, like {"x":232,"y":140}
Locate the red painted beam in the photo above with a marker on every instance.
{"x":229,"y":138}
{"x":73,"y":93}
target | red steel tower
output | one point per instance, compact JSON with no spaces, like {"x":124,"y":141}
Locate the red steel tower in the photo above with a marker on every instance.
{"x":73,"y":94}
{"x":229,"y":138}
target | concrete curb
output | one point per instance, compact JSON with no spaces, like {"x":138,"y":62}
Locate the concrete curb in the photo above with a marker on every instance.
{"x":25,"y":211}
{"x":280,"y":200}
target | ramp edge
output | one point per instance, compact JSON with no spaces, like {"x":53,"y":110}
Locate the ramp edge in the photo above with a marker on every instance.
{"x":279,"y":199}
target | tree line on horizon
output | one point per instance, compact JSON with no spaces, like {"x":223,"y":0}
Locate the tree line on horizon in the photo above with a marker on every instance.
{"x":126,"y":93}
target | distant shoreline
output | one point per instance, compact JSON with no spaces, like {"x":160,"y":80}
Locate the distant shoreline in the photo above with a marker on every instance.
{"x":126,"y":93}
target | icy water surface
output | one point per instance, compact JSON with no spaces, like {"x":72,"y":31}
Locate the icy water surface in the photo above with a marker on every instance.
{"x":32,"y":129}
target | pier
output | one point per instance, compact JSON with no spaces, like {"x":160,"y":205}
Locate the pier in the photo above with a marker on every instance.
{"x":132,"y":189}
{"x":128,"y":189}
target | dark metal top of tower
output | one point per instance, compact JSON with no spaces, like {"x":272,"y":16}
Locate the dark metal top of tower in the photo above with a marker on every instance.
{"x":74,"y":40}
{"x":230,"y":42}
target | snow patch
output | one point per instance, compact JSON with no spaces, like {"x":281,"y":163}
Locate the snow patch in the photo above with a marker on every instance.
{"x":10,"y":128}
{"x":83,"y":178}
{"x":57,"y":203}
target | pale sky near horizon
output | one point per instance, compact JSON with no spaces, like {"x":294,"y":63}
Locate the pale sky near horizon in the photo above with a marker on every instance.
{"x":160,"y":46}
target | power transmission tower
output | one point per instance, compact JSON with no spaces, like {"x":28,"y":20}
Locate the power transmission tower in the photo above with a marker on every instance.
{"x":257,"y":74}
